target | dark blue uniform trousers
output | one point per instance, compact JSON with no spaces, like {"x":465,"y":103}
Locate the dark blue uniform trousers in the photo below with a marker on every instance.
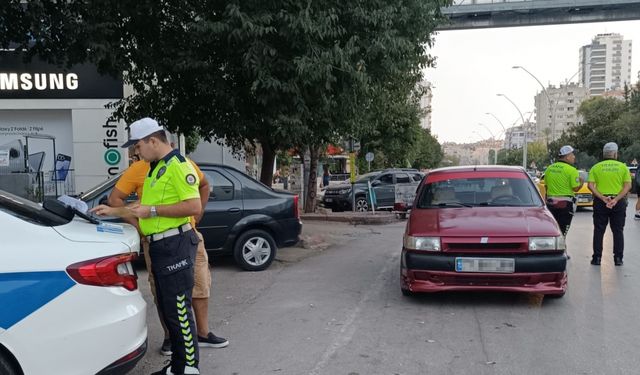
{"x":614,"y":217}
{"x":172,"y":260}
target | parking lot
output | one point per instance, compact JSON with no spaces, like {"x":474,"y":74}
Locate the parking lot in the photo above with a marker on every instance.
{"x":336,"y":308}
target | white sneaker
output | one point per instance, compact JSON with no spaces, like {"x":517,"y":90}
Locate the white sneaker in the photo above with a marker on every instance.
{"x":637,"y":215}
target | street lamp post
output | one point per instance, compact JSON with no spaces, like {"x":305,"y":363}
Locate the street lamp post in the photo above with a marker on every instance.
{"x":524,"y":128}
{"x":497,"y":119}
{"x":493,"y":139}
{"x":489,"y":130}
{"x":552,"y":106}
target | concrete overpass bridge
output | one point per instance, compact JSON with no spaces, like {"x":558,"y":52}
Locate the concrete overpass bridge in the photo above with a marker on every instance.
{"x":473,"y":14}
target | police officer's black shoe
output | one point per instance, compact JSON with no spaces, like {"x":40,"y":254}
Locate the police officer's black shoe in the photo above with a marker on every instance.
{"x":595,"y":261}
{"x":617,"y":261}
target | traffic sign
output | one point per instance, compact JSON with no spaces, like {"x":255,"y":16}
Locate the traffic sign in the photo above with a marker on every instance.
{"x":369,"y":156}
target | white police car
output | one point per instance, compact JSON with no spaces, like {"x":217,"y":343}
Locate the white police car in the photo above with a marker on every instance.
{"x":69,"y":298}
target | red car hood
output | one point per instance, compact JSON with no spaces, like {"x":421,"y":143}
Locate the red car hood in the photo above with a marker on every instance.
{"x":482,"y":221}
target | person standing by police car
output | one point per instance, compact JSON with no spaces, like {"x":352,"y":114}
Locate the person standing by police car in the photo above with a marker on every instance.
{"x":170,"y":198}
{"x":609,"y":181}
{"x":132,"y":181}
{"x":562,"y":181}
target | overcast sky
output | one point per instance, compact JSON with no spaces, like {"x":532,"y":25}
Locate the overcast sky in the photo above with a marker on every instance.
{"x":474,"y":65}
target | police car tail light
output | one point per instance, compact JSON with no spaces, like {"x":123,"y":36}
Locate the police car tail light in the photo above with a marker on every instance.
{"x":115,"y":270}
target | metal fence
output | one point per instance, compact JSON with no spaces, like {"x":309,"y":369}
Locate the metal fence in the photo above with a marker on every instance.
{"x":38,"y":186}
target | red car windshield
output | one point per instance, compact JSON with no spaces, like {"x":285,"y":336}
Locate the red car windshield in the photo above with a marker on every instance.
{"x":479,"y":190}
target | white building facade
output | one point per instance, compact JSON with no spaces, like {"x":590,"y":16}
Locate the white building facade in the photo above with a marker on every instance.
{"x":558,"y":111}
{"x":54,"y":122}
{"x":425,"y":104}
{"x":515,"y":136}
{"x":57,"y":134}
{"x":605,"y":64}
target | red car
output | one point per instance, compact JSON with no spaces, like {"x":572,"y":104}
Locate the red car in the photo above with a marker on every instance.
{"x":479,"y":228}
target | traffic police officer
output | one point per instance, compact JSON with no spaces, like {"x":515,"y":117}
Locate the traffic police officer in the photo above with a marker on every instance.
{"x":170,"y":198}
{"x":609,"y":181}
{"x":562,"y":180}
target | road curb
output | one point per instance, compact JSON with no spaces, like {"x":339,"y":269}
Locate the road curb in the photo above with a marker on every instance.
{"x":352,"y":218}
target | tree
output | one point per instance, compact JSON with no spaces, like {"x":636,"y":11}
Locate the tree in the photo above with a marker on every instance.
{"x":428,"y":153}
{"x":286,"y":74}
{"x":599,"y":125}
{"x":537,"y":153}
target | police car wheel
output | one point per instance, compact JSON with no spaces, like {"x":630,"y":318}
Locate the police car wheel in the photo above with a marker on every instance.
{"x":254,"y":250}
{"x":7,"y":366}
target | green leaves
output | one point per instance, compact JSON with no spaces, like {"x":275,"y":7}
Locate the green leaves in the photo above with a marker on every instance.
{"x":285,"y":73}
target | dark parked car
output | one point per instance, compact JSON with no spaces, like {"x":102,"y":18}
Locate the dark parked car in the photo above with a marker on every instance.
{"x":243,"y":217}
{"x":338,"y":197}
{"x":482,"y":229}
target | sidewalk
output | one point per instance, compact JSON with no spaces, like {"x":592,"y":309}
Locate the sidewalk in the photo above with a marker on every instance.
{"x":318,"y":236}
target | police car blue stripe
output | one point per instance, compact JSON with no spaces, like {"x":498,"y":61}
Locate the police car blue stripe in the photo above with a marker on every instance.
{"x":23,"y":293}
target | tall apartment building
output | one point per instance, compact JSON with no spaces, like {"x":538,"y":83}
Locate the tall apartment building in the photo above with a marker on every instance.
{"x":514,"y":137}
{"x":559,"y":111}
{"x":425,"y":104}
{"x":605,"y":64}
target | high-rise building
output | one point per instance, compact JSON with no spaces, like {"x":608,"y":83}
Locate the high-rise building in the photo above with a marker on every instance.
{"x":425,"y":104}
{"x":605,"y":64}
{"x":558,"y":111}
{"x":514,"y":137}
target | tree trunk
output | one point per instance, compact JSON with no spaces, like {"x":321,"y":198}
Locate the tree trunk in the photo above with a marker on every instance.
{"x":312,"y":187}
{"x":268,"y":158}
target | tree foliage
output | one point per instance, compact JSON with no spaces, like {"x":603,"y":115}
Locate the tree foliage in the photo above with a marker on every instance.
{"x":286,"y":74}
{"x":606,"y":120}
{"x":428,"y":153}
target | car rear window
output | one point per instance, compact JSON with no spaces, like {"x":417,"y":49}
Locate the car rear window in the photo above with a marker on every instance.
{"x":28,"y":211}
{"x":487,"y":190}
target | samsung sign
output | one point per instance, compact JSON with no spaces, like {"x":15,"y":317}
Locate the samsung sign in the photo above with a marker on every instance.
{"x":39,"y":80}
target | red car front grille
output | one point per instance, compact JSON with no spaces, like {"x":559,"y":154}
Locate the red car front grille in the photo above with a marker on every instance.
{"x":484,"y":246}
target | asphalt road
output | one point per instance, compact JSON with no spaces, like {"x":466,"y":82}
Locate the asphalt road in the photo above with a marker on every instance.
{"x":340,"y":311}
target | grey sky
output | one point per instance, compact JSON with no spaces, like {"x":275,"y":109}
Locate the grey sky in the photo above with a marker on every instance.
{"x":474,"y":65}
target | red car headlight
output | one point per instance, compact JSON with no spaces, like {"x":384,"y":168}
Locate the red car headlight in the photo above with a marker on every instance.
{"x":422,"y":243}
{"x":547,"y":243}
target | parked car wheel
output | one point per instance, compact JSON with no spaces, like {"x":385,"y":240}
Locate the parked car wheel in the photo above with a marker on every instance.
{"x":361,"y":204}
{"x":254,"y":250}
